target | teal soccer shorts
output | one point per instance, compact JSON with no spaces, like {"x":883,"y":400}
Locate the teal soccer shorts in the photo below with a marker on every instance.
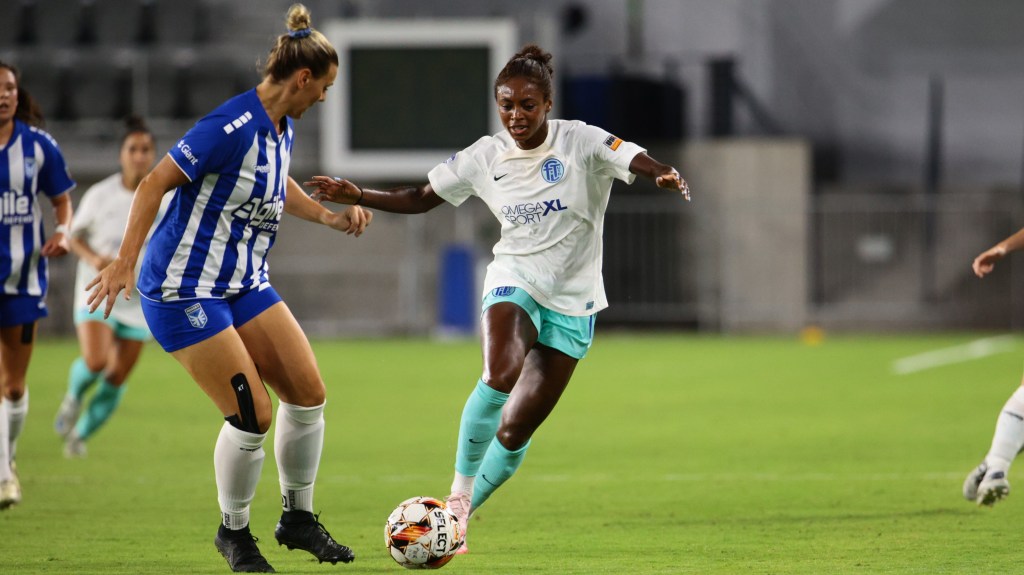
{"x":571,"y":335}
{"x":121,"y":330}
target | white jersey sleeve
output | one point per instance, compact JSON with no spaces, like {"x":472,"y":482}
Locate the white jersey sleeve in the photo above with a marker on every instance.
{"x":609,"y":155}
{"x":457,"y":178}
{"x":84,"y":217}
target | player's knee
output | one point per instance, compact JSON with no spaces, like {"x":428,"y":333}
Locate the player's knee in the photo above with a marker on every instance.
{"x":307,"y":392}
{"x":317,"y":396}
{"x":249,"y":418}
{"x":14,"y":390}
{"x":264,"y":416}
{"x":513,"y":437}
{"x":502,"y":376}
{"x":115,"y":378}
{"x":95,"y":364}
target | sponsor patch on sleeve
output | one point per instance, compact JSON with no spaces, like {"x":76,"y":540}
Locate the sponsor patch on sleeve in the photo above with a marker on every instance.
{"x":612,"y":142}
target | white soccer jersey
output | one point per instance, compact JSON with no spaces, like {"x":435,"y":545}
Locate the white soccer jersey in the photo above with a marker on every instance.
{"x":551,"y":203}
{"x":214,"y":240}
{"x":100,"y":220}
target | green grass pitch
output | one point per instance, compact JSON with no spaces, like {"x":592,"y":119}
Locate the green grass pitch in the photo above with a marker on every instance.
{"x":668,"y":454}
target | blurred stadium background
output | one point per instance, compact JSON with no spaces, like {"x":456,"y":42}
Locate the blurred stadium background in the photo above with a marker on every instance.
{"x":848,"y":157}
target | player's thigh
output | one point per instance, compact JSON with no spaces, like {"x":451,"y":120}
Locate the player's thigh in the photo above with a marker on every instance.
{"x":126,"y":355}
{"x":284,"y":357}
{"x":508,"y":333}
{"x":546,"y":374}
{"x":216,"y":364}
{"x":95,"y":340}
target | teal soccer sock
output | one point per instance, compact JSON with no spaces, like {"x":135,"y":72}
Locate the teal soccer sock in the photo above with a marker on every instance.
{"x":80,"y":379}
{"x":498,"y":466}
{"x":101,"y":407}
{"x":480,"y":419}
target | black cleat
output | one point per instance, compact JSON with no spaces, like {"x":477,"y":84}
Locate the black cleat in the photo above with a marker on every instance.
{"x":239,"y":548}
{"x":303,"y":530}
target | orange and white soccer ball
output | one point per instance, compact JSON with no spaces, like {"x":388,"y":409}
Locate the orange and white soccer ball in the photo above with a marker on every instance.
{"x":421,"y":533}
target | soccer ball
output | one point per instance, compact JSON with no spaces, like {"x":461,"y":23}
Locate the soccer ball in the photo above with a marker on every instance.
{"x":421,"y":533}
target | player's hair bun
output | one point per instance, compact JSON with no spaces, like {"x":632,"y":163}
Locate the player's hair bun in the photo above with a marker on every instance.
{"x":298,"y":17}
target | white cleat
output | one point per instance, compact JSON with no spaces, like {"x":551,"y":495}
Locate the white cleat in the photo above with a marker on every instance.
{"x":67,"y":415}
{"x":973,"y":481}
{"x":10,"y":492}
{"x":994,"y":487}
{"x":74,"y":447}
{"x":458,"y":504}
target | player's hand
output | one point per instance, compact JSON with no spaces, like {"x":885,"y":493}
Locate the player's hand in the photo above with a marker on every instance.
{"x":101,"y":262}
{"x":984,"y":263}
{"x":673,"y":180}
{"x":108,"y":283}
{"x":352,"y":221}
{"x":334,"y":190}
{"x":56,"y":245}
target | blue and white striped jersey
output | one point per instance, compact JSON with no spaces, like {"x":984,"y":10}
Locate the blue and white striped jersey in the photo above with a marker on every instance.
{"x":213,"y":240}
{"x":30,"y":163}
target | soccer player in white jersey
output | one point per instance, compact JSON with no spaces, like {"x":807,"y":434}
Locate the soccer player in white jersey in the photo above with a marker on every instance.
{"x":547,"y":182}
{"x":208,"y":300}
{"x":987,"y":483}
{"x":110,"y":347}
{"x":30,"y":164}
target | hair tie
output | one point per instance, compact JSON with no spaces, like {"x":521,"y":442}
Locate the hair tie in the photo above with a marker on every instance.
{"x":300,"y":33}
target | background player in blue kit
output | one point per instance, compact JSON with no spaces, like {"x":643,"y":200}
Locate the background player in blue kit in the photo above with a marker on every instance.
{"x":548,"y":183}
{"x":110,"y":346}
{"x":208,"y":300}
{"x":30,"y":164}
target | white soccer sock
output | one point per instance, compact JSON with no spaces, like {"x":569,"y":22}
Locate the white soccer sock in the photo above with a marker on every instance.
{"x":1009,"y":436}
{"x":463,"y":483}
{"x":298,"y":442}
{"x":237,"y":461}
{"x":5,"y":453}
{"x":16,"y":412}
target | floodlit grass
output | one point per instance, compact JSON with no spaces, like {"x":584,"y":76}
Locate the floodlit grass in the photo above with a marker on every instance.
{"x":667,"y":454}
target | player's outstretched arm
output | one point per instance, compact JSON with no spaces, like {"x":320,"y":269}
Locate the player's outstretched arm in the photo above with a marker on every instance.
{"x":986,"y":260}
{"x":352,"y":221}
{"x":120,"y":274}
{"x":664,"y":176}
{"x":404,"y":200}
{"x":57,"y":244}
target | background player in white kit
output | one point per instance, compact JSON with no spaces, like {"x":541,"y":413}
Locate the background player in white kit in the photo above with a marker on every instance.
{"x":988,"y":483}
{"x":109,"y":347}
{"x":207,"y":296}
{"x":31,"y":165}
{"x":548,"y":183}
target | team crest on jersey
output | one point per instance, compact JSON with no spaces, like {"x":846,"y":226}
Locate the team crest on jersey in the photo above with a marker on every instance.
{"x":552,"y":170}
{"x":196,"y":316}
{"x":30,"y":167}
{"x":503,"y":291}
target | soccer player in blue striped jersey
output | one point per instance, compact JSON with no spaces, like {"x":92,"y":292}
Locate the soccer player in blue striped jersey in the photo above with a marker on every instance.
{"x":207,"y":297}
{"x":30,"y":164}
{"x":548,"y":183}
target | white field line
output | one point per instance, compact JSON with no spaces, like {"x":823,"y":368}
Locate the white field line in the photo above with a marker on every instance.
{"x":956,"y":354}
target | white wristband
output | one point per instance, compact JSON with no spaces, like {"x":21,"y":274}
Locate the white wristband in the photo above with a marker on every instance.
{"x":61,"y":229}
